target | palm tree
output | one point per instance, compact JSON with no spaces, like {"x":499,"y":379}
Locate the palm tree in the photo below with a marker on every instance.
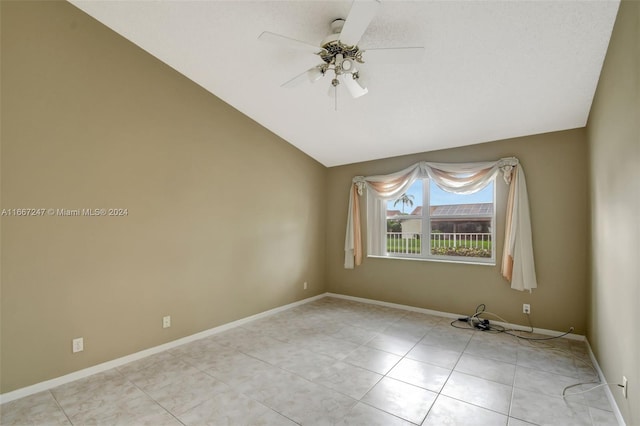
{"x":405,"y":199}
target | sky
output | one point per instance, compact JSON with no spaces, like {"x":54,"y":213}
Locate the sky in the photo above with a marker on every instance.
{"x":440,"y":197}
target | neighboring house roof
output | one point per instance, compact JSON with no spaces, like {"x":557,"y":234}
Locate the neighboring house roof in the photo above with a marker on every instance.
{"x":450,"y":211}
{"x":466,"y":210}
{"x":393,"y":213}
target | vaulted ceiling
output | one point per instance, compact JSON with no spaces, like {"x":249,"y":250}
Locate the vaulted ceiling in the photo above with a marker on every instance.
{"x":490,"y":70}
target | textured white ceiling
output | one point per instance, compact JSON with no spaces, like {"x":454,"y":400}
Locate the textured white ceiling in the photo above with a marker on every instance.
{"x":491,"y":69}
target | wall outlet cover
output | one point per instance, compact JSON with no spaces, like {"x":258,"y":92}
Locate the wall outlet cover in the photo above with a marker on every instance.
{"x":77,"y":345}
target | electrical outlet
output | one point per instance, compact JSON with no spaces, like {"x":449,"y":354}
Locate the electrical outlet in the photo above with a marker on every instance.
{"x":77,"y":345}
{"x":624,"y":386}
{"x":304,"y":286}
{"x":526,"y":308}
{"x":166,"y":321}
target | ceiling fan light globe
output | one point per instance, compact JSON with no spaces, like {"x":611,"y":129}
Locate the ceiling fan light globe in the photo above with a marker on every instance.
{"x":362,"y":81}
{"x":315,"y":74}
{"x":354,"y":87}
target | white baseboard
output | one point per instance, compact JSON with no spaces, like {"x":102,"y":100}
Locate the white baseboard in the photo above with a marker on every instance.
{"x":80,"y":374}
{"x":603,"y":379}
{"x":542,"y":331}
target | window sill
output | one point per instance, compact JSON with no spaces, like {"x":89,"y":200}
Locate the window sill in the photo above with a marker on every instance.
{"x":488,"y":262}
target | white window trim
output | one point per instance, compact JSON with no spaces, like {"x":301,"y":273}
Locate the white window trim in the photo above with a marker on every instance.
{"x":425,"y":248}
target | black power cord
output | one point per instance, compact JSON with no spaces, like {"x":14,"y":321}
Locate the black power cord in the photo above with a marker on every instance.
{"x":475,"y":322}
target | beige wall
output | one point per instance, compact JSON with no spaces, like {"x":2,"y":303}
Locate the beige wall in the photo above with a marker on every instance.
{"x":556,"y":170}
{"x":90,"y":121}
{"x":614,"y":141}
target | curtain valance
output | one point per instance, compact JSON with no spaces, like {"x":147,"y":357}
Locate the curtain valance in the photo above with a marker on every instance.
{"x":461,"y":178}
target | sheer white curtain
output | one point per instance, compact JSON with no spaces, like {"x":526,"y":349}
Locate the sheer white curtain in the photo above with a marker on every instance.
{"x":461,"y":178}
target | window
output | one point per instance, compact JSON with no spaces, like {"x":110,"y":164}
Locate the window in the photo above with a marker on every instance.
{"x":517,"y":263}
{"x":452,"y":227}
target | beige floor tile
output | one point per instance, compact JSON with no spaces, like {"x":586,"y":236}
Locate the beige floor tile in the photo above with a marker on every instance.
{"x":435,"y":355}
{"x":474,"y":390}
{"x":395,"y":345}
{"x":348,"y":379}
{"x":538,"y":408}
{"x":225,"y":408}
{"x":403,"y":400}
{"x":449,"y":411}
{"x":363,"y":414}
{"x":38,"y":409}
{"x":485,"y":368}
{"x":427,"y":376}
{"x":375,"y":360}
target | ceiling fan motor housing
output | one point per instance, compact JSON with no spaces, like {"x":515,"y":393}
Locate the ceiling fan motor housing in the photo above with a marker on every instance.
{"x":335,"y":48}
{"x":332,"y":47}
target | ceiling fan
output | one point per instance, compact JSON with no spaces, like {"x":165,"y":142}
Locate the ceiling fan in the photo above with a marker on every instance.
{"x":341,"y":54}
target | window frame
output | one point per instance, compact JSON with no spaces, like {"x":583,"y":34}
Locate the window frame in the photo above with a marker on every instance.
{"x":426,"y":254}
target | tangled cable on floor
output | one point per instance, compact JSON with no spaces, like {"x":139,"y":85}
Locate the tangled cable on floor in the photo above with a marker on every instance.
{"x":476,"y":322}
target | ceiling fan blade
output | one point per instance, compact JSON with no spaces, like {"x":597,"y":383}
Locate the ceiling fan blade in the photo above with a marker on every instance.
{"x":399,"y":55}
{"x":312,"y":75}
{"x":359,"y":18}
{"x":289,"y":42}
{"x":353,"y":86}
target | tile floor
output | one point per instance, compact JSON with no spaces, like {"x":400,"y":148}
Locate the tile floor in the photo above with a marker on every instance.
{"x":335,"y":362}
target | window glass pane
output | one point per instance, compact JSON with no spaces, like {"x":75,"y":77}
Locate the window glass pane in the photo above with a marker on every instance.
{"x":404,"y":222}
{"x":461,"y":224}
